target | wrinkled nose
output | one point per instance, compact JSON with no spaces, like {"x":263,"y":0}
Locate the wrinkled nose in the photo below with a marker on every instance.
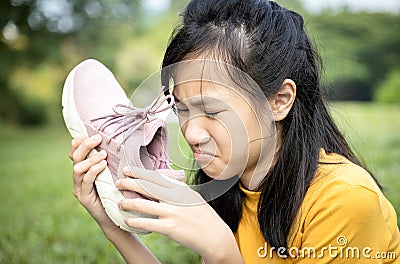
{"x":195,"y":132}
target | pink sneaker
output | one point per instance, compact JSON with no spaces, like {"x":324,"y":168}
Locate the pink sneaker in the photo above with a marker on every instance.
{"x":93,"y":102}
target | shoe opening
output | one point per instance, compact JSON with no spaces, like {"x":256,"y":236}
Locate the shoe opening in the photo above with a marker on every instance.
{"x":153,"y":156}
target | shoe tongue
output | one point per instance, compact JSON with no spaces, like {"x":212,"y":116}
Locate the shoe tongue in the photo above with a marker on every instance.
{"x":144,"y":146}
{"x":155,"y":137}
{"x":153,"y":145}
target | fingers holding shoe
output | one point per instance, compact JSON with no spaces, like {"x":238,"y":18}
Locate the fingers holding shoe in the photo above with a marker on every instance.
{"x":85,"y":171}
{"x":82,"y":167}
{"x":81,"y":147}
{"x":75,"y":143}
{"x":79,"y":151}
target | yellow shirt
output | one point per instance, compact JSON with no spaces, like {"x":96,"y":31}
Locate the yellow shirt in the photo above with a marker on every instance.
{"x":344,"y":218}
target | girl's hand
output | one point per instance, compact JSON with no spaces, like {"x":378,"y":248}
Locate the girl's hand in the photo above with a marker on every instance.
{"x":182,"y":213}
{"x":85,"y":172}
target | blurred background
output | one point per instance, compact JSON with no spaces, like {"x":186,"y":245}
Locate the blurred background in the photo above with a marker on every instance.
{"x":42,"y":40}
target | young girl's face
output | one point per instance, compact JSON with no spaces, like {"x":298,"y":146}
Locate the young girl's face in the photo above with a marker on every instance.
{"x":221,"y":127}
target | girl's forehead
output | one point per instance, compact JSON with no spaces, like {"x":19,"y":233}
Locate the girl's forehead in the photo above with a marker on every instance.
{"x":206,"y":89}
{"x":203,"y":77}
{"x":200,"y":69}
{"x":207,"y":71}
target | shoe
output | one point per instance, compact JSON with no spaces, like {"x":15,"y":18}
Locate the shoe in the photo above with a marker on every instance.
{"x":94,"y":103}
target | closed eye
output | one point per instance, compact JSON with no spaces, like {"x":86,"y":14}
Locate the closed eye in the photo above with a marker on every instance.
{"x":177,"y":110}
{"x":212,"y":114}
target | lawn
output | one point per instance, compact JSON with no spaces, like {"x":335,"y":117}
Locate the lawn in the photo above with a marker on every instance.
{"x":41,"y":222}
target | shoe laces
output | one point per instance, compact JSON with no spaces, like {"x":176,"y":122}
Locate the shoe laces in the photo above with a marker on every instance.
{"x":131,"y":118}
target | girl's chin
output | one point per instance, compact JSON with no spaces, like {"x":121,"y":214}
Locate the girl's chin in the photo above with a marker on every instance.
{"x":217,"y":175}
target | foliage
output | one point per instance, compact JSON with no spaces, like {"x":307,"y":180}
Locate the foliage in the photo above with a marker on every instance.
{"x":357,"y":48}
{"x":30,"y":111}
{"x":389,"y":90}
{"x":51,"y":41}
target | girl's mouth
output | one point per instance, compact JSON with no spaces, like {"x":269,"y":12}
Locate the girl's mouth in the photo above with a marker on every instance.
{"x":203,"y":156}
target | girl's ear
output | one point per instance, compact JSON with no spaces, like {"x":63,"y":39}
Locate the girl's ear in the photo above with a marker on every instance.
{"x":283,"y":100}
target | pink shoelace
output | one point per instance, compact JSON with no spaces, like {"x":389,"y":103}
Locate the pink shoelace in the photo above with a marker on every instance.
{"x":130,"y":118}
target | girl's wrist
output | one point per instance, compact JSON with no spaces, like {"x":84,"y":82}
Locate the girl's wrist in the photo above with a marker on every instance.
{"x":225,"y":251}
{"x":114,"y":232}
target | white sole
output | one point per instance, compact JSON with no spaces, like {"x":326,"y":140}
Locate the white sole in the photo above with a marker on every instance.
{"x":108,"y":193}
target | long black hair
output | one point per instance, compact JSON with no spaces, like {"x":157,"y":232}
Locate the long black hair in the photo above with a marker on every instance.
{"x":270,"y":44}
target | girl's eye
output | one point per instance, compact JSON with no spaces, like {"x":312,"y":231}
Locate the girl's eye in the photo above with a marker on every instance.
{"x":178,"y":110}
{"x":211,"y":114}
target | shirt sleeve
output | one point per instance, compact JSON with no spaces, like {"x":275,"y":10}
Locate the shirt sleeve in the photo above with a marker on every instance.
{"x":347,"y":225}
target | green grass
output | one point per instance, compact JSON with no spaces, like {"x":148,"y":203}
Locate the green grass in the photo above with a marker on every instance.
{"x":41,"y":222}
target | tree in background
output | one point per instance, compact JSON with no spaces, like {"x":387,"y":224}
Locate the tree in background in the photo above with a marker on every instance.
{"x":388,"y":90}
{"x":358,"y":50}
{"x":41,"y":40}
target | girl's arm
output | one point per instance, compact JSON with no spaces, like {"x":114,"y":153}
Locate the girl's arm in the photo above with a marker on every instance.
{"x":130,"y":247}
{"x":182,"y":215}
{"x":84,"y":175}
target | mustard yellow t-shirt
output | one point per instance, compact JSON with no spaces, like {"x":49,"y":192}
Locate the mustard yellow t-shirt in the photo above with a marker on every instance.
{"x":344,"y":218}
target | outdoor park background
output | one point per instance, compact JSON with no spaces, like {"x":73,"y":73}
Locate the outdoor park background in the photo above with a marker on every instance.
{"x":40,"y":42}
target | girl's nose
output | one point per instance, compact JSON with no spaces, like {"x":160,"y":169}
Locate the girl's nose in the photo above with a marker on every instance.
{"x":194,"y":129}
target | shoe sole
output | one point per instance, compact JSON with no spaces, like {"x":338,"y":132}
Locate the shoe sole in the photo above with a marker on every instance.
{"x":108,"y":193}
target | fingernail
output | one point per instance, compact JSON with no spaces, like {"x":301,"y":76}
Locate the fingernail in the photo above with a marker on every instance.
{"x":96,"y":137}
{"x":103,"y":153}
{"x":126,"y":169}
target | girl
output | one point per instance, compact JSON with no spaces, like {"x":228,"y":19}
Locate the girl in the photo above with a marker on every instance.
{"x":313,"y":203}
